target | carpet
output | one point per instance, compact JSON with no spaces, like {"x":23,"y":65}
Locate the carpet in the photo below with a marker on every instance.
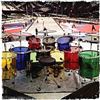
{"x":25,"y":84}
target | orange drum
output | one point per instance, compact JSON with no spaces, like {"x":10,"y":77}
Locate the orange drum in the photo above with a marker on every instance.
{"x":71,"y":59}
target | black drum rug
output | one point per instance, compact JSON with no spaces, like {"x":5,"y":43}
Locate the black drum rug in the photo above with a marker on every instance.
{"x":24,"y":84}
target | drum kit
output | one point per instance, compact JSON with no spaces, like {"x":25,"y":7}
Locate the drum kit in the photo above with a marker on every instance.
{"x":87,"y":62}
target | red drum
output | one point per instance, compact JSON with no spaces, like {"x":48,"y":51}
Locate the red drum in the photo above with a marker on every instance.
{"x":71,"y":60}
{"x":75,"y":49}
{"x":34,"y":43}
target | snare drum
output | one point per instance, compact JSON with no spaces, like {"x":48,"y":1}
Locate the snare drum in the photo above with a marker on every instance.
{"x":49,"y":42}
{"x":42,"y":53}
{"x":23,"y":55}
{"x":58,"y":55}
{"x":89,"y":63}
{"x":63,"y":43}
{"x":8,"y":65}
{"x":71,"y":60}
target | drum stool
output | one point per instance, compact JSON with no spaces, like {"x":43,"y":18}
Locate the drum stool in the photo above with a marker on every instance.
{"x":46,"y":61}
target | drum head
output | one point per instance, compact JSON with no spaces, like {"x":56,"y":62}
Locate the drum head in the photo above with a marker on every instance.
{"x":63,"y":40}
{"x":20,"y":49}
{"x":7,"y":54}
{"x":49,"y":40}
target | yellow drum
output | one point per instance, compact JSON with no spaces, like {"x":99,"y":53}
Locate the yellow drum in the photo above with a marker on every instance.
{"x":8,"y":64}
{"x":58,"y":55}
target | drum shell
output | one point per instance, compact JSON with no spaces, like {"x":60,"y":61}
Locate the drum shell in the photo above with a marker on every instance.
{"x":47,"y":61}
{"x":57,"y":55}
{"x":42,"y":54}
{"x":65,"y":46}
{"x":34,"y":45}
{"x":49,"y":46}
{"x":22,"y":57}
{"x":71,"y":60}
{"x":33,"y":57}
{"x":89,"y":67}
{"x":63,"y":43}
{"x":49,"y":42}
{"x":8,"y":60}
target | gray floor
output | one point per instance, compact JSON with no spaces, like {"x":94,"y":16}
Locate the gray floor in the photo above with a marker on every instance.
{"x":23,"y":84}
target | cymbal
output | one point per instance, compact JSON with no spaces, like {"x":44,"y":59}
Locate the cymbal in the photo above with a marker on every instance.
{"x":21,"y":34}
{"x":93,"y":35}
{"x":48,"y":31}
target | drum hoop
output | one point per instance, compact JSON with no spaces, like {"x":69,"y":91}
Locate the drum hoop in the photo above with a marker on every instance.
{"x":22,"y":52}
{"x":89,"y":57}
{"x":14,"y":55}
{"x":60,"y":38}
{"x":54,"y":51}
{"x":49,"y":42}
{"x":43,"y":51}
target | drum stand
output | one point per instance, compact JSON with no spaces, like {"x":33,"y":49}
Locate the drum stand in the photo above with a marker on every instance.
{"x":28,"y":70}
{"x":76,"y":80}
{"x":45,"y":79}
{"x":46,"y":61}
